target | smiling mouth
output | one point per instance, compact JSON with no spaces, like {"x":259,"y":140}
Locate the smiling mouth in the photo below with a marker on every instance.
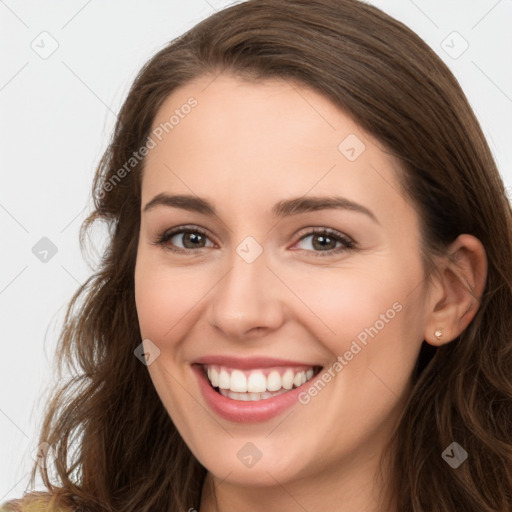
{"x":257,"y":384}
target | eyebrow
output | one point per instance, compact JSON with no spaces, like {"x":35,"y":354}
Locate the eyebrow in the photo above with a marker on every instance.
{"x":284,"y":208}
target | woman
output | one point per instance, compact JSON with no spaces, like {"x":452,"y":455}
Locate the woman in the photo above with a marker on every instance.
{"x":305,"y":303}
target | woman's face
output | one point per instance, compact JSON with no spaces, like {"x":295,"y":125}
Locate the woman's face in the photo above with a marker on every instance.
{"x":294,"y":250}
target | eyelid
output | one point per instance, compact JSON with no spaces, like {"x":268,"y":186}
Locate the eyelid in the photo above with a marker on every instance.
{"x":322,"y":229}
{"x":164,"y":236}
{"x":347,"y":242}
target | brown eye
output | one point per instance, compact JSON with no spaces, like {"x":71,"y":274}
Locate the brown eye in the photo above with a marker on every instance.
{"x":184,"y":240}
{"x":326,"y":242}
{"x":190,"y":239}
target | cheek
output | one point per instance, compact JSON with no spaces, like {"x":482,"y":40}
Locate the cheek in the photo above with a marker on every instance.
{"x":164,"y":296}
{"x":369,"y":319}
{"x":156,"y":306}
{"x":347,"y":303}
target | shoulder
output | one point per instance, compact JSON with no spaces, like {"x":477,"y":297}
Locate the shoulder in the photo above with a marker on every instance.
{"x":33,"y":502}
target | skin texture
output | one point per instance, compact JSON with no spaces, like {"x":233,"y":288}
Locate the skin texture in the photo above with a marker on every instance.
{"x":244,"y":147}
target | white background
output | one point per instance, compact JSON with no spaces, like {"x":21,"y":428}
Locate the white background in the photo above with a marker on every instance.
{"x":56,"y":118}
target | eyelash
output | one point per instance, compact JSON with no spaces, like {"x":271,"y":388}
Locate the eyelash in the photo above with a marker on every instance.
{"x":348,"y":243}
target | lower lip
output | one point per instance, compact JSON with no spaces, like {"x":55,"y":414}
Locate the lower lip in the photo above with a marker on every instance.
{"x":239,"y":411}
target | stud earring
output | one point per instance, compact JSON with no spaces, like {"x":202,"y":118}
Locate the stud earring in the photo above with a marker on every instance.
{"x":438,"y":334}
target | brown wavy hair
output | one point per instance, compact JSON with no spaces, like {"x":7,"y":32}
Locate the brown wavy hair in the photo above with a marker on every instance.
{"x":113,"y":446}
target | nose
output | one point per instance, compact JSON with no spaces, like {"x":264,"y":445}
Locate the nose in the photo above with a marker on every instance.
{"x":247,"y":302}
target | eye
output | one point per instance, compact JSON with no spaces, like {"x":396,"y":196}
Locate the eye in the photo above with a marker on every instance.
{"x":326,"y":242}
{"x":191,"y":238}
{"x":323,"y":241}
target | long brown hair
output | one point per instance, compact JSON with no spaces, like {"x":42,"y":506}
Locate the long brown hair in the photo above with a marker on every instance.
{"x":112,"y":444}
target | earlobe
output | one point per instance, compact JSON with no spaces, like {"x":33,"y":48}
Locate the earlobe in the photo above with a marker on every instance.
{"x":462,"y":279}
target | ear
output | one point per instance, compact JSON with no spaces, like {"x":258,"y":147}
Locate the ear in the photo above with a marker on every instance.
{"x":458,"y":290}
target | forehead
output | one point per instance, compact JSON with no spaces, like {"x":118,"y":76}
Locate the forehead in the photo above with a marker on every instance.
{"x":254,"y":143}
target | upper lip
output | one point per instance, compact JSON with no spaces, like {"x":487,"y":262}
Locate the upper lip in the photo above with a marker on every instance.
{"x":249,"y":363}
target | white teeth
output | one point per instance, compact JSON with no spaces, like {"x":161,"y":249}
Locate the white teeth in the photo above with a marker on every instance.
{"x":213,"y":375}
{"x":224,"y":379}
{"x":238,"y":382}
{"x":299,"y":379}
{"x":287,"y":380}
{"x":255,"y":385}
{"x":250,"y":397}
{"x":274,"y":381}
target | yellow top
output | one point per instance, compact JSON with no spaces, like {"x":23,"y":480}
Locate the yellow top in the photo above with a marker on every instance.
{"x":37,"y":502}
{"x":33,"y":506}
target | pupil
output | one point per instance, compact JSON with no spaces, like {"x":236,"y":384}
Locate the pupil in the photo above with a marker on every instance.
{"x":323,"y":241}
{"x":191,"y":237}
